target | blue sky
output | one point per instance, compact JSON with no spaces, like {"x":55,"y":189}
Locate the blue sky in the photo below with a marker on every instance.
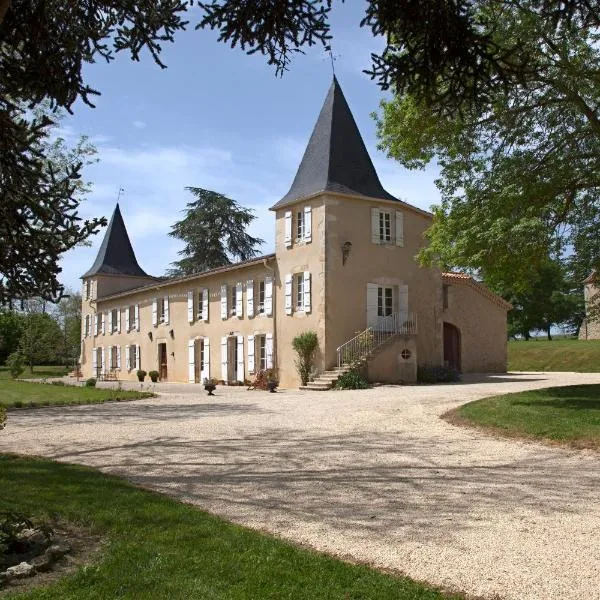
{"x":218,"y":119}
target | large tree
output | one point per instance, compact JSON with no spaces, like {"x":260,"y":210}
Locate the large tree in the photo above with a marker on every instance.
{"x":520,"y":179}
{"x":40,"y":338}
{"x":214,"y":233}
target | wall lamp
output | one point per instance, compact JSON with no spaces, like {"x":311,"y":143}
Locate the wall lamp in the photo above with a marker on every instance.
{"x":346,"y":247}
{"x":150,"y":335}
{"x":172,"y":334}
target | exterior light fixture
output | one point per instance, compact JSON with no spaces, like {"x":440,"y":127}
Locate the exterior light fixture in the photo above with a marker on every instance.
{"x":150,"y":335}
{"x":172,"y":334}
{"x":346,"y":247}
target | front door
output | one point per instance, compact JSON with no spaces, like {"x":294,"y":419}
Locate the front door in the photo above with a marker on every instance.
{"x":162,"y":361}
{"x":452,"y":346}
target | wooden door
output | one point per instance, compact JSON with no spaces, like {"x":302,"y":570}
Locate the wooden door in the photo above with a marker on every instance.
{"x":452,"y":346}
{"x":162,"y":362}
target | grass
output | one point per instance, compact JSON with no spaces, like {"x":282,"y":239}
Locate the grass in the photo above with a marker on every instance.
{"x":581,"y":356}
{"x":39,"y":372}
{"x":567,"y":415}
{"x":158,"y":548}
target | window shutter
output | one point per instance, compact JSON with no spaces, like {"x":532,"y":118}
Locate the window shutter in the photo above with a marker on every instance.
{"x":307,"y":223}
{"x":104,"y":320}
{"x":192,"y":361}
{"x":110,"y":321}
{"x":306,"y":291}
{"x":224,"y":359}
{"x":240,"y":358}
{"x":239,"y":300}
{"x":190,"y":307}
{"x":250,"y":354}
{"x":399,"y":228}
{"x":127,"y":358}
{"x":119,"y":320}
{"x":109,"y":357}
{"x":206,"y":365}
{"x":250,"y":298}
{"x":127,"y":321}
{"x":103,"y":357}
{"x":94,"y":360}
{"x":288,"y":228}
{"x":371,"y":304}
{"x":403,"y":300}
{"x":205,"y":304}
{"x":375,"y":238}
{"x":96,"y":320}
{"x":288,"y":294}
{"x":155,"y":312}
{"x":166,"y":310}
{"x":269,"y":350}
{"x":223,"y":302}
{"x":94,"y":289}
{"x":136,"y":314}
{"x":118,"y":357}
{"x":268,"y":296}
{"x":137,"y":358}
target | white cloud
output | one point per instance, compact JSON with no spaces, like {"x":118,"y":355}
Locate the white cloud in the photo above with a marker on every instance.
{"x":140,"y":124}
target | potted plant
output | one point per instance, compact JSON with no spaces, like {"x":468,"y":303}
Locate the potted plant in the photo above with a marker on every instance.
{"x":141,"y":375}
{"x":272,"y":380}
{"x":210,"y":385}
{"x":153,"y":376}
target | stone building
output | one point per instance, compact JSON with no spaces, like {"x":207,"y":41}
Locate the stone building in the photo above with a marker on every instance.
{"x":344,"y":266}
{"x":590,"y":328}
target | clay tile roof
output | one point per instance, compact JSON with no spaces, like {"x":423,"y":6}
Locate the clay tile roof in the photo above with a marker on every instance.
{"x":463,"y":278}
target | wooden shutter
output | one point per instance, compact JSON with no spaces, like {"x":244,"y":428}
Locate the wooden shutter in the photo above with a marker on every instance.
{"x":155,"y":312}
{"x":269,"y":350}
{"x":110,"y":321}
{"x":109,"y":357}
{"x":399,"y":228}
{"x":104,"y":320}
{"x":269,"y":296}
{"x":118,"y":357}
{"x":224,"y":359}
{"x":223,"y":302}
{"x":307,"y":305}
{"x":375,"y":237}
{"x":190,"y":307}
{"x":137,"y":358}
{"x":240,"y":358}
{"x":288,"y":294}
{"x":118,"y":320}
{"x":250,"y":354}
{"x":205,"y":299}
{"x":96,"y":320}
{"x":192,"y":361}
{"x":94,"y":360}
{"x":250,"y":298}
{"x":288,"y":228}
{"x":166,"y":309}
{"x":372,"y":304}
{"x":127,"y":358}
{"x":239,"y":300}
{"x":403,"y":301}
{"x":307,"y":224}
{"x":103,"y":359}
{"x":127,"y":321}
{"x":137,"y":317}
{"x":206,"y":366}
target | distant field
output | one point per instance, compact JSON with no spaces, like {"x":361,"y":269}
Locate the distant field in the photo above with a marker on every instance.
{"x":558,"y":355}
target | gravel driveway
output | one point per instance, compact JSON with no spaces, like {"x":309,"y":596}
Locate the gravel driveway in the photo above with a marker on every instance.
{"x":369,"y":475}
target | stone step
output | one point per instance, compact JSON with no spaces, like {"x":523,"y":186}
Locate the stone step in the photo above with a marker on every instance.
{"x":317,"y":386}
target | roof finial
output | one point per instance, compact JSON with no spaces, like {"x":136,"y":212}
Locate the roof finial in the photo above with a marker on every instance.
{"x":121,"y":189}
{"x":328,"y":49}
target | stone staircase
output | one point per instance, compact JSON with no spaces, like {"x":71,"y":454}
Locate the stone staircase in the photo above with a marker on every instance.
{"x":326,"y":380}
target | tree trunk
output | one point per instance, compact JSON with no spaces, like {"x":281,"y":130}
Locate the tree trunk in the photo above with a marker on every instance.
{"x":31,"y":367}
{"x":548,"y":334}
{"x":526,"y":336}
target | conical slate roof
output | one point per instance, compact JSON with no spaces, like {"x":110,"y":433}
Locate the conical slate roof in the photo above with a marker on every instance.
{"x":116,"y":255}
{"x":336,"y":159}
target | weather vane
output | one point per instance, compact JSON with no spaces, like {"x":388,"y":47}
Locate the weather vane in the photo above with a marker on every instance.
{"x":121,"y":189}
{"x":330,"y":51}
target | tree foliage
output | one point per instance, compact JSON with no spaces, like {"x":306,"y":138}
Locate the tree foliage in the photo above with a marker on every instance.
{"x":520,"y":178}
{"x":11,"y":328}
{"x":214,"y":233}
{"x":38,"y":342}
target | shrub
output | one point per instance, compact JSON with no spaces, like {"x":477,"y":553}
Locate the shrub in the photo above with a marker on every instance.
{"x":153,"y":376}
{"x":141,"y":374}
{"x":2,"y":417}
{"x":352,"y":380}
{"x":91,"y":382}
{"x":14,"y":362}
{"x":437,"y":374}
{"x":305,"y":346}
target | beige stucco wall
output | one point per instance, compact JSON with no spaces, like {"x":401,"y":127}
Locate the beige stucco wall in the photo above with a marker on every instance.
{"x":482,"y":325}
{"x":590,"y":328}
{"x":389,"y":366}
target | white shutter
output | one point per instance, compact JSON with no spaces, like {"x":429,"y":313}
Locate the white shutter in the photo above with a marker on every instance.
{"x":96,"y":319}
{"x":155,"y":312}
{"x":94,"y":360}
{"x":109,"y":358}
{"x":403,"y":300}
{"x":205,"y":299}
{"x":104,"y":320}
{"x":268,"y":296}
{"x":137,"y":358}
{"x":399,"y":228}
{"x":127,"y":321}
{"x":127,"y":358}
{"x":269,"y":350}
{"x":240,"y":358}
{"x":371,"y":304}
{"x":375,"y":238}
{"x":192,"y":361}
{"x":190,"y":307}
{"x":239,"y":300}
{"x":224,"y":359}
{"x":110,"y":321}
{"x":306,"y":291}
{"x":250,"y":354}
{"x":94,"y":289}
{"x":307,"y":223}
{"x":119,"y":320}
{"x":288,"y":228}
{"x":136,"y":312}
{"x":250,"y":298}
{"x":223,"y":302}
{"x":166,"y":309}
{"x":103,"y":357}
{"x":288,"y":294}
{"x":118,"y":357}
{"x":206,"y":366}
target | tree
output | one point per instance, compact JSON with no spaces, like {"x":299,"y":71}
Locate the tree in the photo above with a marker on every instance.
{"x":11,"y":328}
{"x":67,"y":313}
{"x":38,"y":342}
{"x":305,"y":345}
{"x":519,"y":180}
{"x":214,"y":232}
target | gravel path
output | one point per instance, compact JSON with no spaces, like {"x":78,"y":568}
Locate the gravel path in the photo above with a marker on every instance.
{"x":370,"y":475}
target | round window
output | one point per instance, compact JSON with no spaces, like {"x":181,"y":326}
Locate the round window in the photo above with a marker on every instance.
{"x":406,"y":354}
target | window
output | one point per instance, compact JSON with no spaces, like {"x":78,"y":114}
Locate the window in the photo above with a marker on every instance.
{"x":114,"y":360}
{"x":406,"y":354}
{"x":385,"y":301}
{"x":115,"y":320}
{"x":300,"y":225}
{"x":87,"y":326}
{"x":261,"y":344}
{"x":88,"y":289}
{"x":233,"y":309}
{"x":132,"y":355}
{"x":131,"y":318}
{"x":160,"y":310}
{"x":385,"y":226}
{"x":101,"y":323}
{"x":261,"y":297}
{"x":445,"y":289}
{"x":299,"y":281}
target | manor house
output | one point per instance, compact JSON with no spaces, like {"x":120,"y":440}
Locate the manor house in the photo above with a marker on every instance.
{"x":344,"y":266}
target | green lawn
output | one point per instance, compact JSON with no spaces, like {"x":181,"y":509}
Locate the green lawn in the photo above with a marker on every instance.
{"x":558,"y":355}
{"x":567,"y":415}
{"x":38,"y":372}
{"x":159,"y":548}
